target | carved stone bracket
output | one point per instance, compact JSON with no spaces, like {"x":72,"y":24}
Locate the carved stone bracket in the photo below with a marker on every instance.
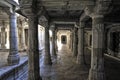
{"x":31,"y":7}
{"x":101,"y":7}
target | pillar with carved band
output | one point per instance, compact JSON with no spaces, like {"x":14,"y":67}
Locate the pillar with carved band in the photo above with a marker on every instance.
{"x":33,"y":49}
{"x":97,"y":57}
{"x":53,"y":42}
{"x":13,"y":57}
{"x":80,"y":56}
{"x":75,"y":42}
{"x":47,"y":56}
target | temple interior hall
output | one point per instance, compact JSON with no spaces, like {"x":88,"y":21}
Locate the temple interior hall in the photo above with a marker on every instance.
{"x":59,"y":39}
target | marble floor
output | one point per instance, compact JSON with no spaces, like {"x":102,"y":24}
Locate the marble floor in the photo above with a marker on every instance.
{"x":64,"y":67}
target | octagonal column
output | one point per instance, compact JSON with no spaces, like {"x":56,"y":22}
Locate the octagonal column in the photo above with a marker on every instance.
{"x":80,"y":56}
{"x":13,"y":57}
{"x":75,"y":42}
{"x":97,"y":57}
{"x":47,"y":56}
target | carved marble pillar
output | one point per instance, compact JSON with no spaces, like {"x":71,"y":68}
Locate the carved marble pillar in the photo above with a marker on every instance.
{"x":97,"y":57}
{"x":56,"y":46}
{"x":72,"y":36}
{"x":13,"y":57}
{"x":30,"y":8}
{"x":3,"y":36}
{"x":33,"y":49}
{"x":80,"y":56}
{"x":47,"y":56}
{"x":75,"y":42}
{"x":70,"y":46}
{"x":53,"y":41}
{"x":21,"y":34}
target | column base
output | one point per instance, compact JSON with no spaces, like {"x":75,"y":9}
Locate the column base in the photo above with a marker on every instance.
{"x":96,"y":75}
{"x":13,"y":59}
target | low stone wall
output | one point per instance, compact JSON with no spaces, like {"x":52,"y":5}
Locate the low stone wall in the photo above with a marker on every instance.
{"x":14,"y":72}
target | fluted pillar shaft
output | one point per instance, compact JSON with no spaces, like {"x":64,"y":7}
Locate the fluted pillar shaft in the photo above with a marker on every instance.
{"x":47,"y":56}
{"x":97,"y":56}
{"x":75,"y":43}
{"x":13,"y":57}
{"x":80,"y":56}
{"x":33,"y":49}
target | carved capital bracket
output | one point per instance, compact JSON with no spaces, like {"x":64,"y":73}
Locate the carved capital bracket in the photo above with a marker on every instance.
{"x":31,"y":7}
{"x":98,"y":23}
{"x":101,"y":7}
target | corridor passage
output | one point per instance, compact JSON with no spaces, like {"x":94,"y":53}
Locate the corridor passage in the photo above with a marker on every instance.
{"x":64,"y":67}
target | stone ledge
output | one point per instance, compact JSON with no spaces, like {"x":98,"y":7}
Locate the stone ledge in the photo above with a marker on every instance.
{"x":13,"y":72}
{"x":4,"y":50}
{"x":115,"y":58}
